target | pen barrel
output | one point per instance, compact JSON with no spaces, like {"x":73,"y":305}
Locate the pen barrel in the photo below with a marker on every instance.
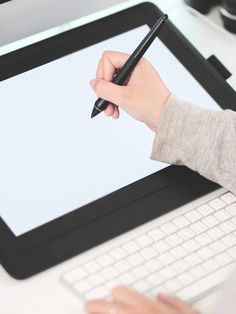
{"x":101,"y":104}
{"x":139,"y":52}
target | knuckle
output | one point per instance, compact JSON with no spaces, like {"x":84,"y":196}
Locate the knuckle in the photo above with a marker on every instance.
{"x":98,"y":86}
{"x":106,"y":54}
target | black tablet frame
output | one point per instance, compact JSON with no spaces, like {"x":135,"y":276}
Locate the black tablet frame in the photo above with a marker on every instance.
{"x":133,"y":205}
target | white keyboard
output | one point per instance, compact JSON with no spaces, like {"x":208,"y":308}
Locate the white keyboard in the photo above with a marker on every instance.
{"x":185,"y":253}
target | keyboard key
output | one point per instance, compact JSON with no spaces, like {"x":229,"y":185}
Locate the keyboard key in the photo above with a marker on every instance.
{"x":229,"y":240}
{"x":218,"y":246}
{"x":205,"y":210}
{"x":98,"y":293}
{"x":223,"y":259}
{"x":160,"y":289}
{"x":211,"y":266}
{"x":168,"y":272}
{"x":131,"y":247}
{"x":153,"y":265}
{"x":205,"y":253}
{"x":109,"y":272}
{"x":144,"y":241}
{"x":215,"y":233}
{"x":174,"y":240}
{"x":227,"y":226}
{"x":105,"y":260}
{"x":222,"y":215}
{"x":232,"y":252}
{"x":168,"y":228}
{"x":122,"y":266}
{"x":181,"y":222}
{"x":173,"y":285}
{"x":82,"y":286}
{"x":203,"y":239}
{"x":181,"y":266}
{"x":156,"y":234}
{"x":210,"y":221}
{"x":193,"y":216}
{"x":228,"y":198}
{"x":161,"y":246}
{"x":232,"y":209}
{"x":140,"y":272}
{"x":118,"y":253}
{"x":135,"y":259}
{"x":185,"y":279}
{"x":198,"y":227}
{"x":148,"y":253}
{"x":186,"y":234}
{"x":166,"y":258}
{"x":155,"y":279}
{"x":193,"y":259}
{"x":191,"y":246}
{"x":92,"y":267}
{"x":127,"y":278}
{"x":178,"y":252}
{"x":74,"y":275}
{"x":141,"y":286}
{"x":198,"y":272}
{"x":96,"y":279}
{"x":217,"y":204}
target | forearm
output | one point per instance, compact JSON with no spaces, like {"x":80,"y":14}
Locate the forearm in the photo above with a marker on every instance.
{"x":203,"y":140}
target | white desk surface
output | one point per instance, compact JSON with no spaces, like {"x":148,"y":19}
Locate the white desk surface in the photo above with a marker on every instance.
{"x":44,"y":293}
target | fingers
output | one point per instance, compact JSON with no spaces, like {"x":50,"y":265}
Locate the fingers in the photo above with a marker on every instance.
{"x":134,"y":300}
{"x":112,"y":111}
{"x":127,"y":296}
{"x":110,"y":92}
{"x":97,"y":307}
{"x":99,"y":74}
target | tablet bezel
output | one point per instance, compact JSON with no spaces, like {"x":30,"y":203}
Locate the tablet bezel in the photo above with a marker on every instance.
{"x":132,"y":205}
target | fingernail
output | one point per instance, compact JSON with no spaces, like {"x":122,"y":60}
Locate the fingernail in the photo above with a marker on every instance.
{"x":92,"y":83}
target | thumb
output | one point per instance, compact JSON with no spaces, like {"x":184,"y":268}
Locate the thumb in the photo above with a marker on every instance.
{"x":109,"y":91}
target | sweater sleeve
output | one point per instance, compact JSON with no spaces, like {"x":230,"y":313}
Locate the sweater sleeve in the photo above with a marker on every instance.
{"x":201,"y":139}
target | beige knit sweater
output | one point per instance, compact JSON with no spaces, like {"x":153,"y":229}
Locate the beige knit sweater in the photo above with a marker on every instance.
{"x":203,"y":140}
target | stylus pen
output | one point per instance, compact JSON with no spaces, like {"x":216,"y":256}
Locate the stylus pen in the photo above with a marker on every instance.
{"x":101,"y":104}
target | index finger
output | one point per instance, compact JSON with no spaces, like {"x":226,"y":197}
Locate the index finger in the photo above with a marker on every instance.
{"x":116,"y":58}
{"x":111,"y":62}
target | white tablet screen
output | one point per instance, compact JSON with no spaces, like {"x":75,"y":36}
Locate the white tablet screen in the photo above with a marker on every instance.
{"x":53,"y":157}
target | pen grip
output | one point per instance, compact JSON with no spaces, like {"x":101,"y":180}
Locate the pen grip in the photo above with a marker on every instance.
{"x":119,"y":79}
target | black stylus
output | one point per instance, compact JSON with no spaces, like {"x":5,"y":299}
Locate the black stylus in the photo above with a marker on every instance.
{"x":101,"y":104}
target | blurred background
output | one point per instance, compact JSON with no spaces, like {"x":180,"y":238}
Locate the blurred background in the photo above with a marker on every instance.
{"x":22,"y":18}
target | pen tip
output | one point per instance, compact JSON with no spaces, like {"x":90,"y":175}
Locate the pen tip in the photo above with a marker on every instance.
{"x":95,"y":112}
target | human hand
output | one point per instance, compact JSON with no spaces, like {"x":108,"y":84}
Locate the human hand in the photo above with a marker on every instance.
{"x":144,"y":95}
{"x":126,"y":301}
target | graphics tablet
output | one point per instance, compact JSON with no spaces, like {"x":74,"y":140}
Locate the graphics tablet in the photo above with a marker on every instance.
{"x":55,"y":201}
